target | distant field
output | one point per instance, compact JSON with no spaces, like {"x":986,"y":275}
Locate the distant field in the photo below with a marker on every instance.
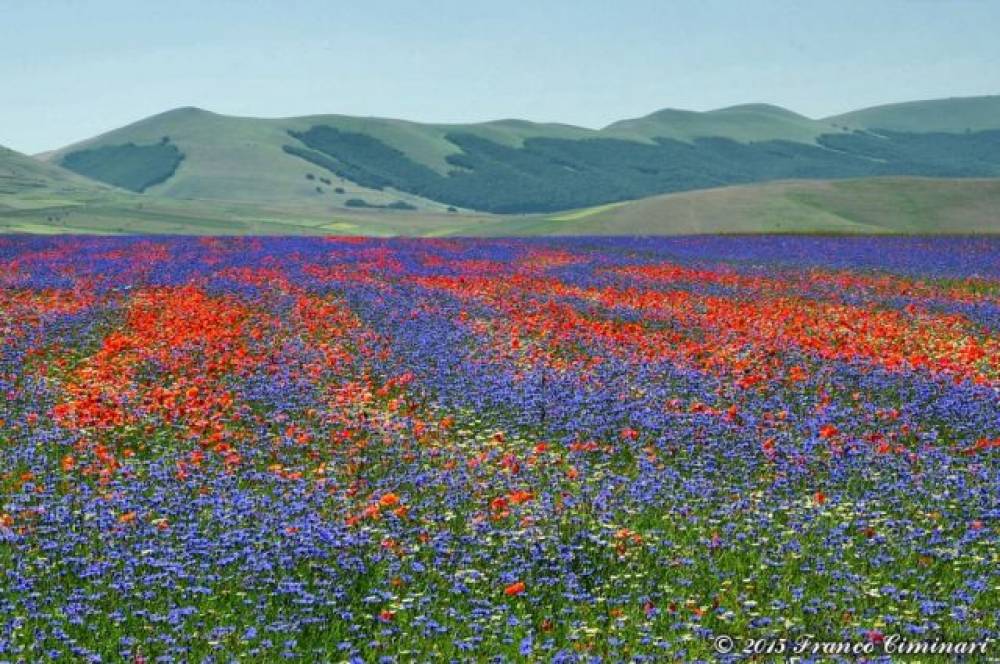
{"x":122,"y":213}
{"x":873,"y":206}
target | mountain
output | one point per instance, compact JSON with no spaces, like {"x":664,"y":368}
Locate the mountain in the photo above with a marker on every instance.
{"x":190,"y":153}
{"x":745,"y":123}
{"x":325,"y":163}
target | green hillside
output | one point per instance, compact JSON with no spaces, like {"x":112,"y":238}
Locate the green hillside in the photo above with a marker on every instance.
{"x":29,"y":187}
{"x":39,"y":197}
{"x":323,"y":164}
{"x":549,"y":174}
{"x":244,"y":160}
{"x":21,"y":175}
{"x":237,"y":160}
{"x":946,"y":115}
{"x":126,"y":213}
{"x":873,"y":205}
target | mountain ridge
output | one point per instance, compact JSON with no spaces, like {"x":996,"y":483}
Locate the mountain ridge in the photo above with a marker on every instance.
{"x":326,"y":162}
{"x":869,"y":111}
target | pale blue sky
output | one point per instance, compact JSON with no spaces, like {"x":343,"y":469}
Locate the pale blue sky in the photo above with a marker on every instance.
{"x":69,"y":70}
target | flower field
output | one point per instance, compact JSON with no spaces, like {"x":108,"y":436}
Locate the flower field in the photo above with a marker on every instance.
{"x":344,"y":449}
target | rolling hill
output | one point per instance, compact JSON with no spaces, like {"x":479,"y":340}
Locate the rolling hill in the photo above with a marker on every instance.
{"x":744,"y":123}
{"x":866,"y":206}
{"x":218,"y":158}
{"x":870,"y":206}
{"x":324,"y":163}
{"x":39,"y":197}
{"x":29,"y":188}
{"x":21,"y":175}
{"x":955,"y":115}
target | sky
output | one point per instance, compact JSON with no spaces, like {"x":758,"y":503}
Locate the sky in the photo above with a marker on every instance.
{"x":73,"y":69}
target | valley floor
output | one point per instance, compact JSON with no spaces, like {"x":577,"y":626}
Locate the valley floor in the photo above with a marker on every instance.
{"x":873,"y":206}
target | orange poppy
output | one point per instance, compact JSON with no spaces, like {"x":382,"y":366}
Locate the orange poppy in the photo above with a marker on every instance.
{"x":514,"y":589}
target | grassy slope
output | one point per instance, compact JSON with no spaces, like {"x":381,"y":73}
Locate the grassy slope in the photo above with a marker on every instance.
{"x":881,"y":205}
{"x":947,"y":115}
{"x":114,"y":212}
{"x":240,"y":160}
{"x":122,"y":213}
{"x":876,"y":205}
{"x":37,"y":197}
{"x":29,"y":188}
{"x":22,"y":175}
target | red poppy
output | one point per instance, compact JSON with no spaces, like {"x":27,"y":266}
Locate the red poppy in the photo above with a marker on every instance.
{"x":519,"y":497}
{"x":828,"y":431}
{"x":388,"y":500}
{"x":514,"y":589}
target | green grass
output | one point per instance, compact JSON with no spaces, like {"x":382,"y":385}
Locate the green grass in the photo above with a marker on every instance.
{"x":117,"y":212}
{"x":120,"y":214}
{"x":876,"y":205}
{"x":21,"y":175}
{"x":871,"y":205}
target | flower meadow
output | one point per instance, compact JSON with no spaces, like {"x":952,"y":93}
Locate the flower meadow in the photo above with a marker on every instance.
{"x":339,"y":449}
